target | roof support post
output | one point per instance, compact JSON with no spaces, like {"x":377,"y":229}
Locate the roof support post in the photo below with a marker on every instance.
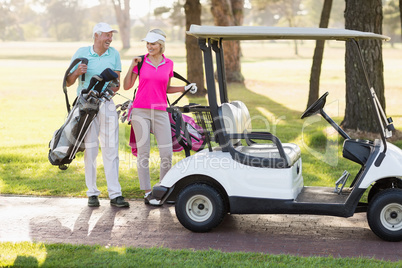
{"x":377,"y":107}
{"x":212,"y":96}
{"x":220,"y":67}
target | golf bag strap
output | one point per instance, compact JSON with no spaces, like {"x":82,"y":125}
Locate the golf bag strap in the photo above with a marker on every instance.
{"x":139,"y":65}
{"x":75,"y":62}
{"x":178,"y":76}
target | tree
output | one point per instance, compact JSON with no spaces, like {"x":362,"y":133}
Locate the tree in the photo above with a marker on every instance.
{"x":287,"y":12}
{"x":122,"y":10}
{"x":60,"y":15}
{"x":195,"y":71}
{"x":363,"y":15}
{"x":230,"y":13}
{"x":176,"y":19}
{"x":192,"y":12}
{"x":400,"y":13}
{"x":9,"y":21}
{"x":313,"y":12}
{"x":261,"y":13}
{"x":392,"y":22}
{"x":317,"y":58}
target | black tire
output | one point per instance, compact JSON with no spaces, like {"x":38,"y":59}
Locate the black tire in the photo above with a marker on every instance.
{"x":200,"y":208}
{"x":382,"y":185}
{"x":384,"y":214}
{"x":375,"y":189}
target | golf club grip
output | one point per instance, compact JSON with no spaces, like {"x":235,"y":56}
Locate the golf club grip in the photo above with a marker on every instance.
{"x":84,"y":61}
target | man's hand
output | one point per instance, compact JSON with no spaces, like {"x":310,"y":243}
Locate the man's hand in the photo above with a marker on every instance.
{"x":81,"y":69}
{"x":71,"y":77}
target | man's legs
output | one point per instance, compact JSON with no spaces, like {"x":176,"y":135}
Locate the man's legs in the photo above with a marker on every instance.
{"x":109,"y":139}
{"x":91,"y":152}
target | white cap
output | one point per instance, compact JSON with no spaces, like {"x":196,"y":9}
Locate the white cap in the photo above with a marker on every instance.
{"x":103,"y":27}
{"x":153,"y":37}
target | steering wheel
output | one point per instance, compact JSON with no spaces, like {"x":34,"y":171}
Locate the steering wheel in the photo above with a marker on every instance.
{"x":316,"y":106}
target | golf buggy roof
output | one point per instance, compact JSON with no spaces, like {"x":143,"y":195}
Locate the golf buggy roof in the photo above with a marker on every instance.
{"x":279,"y":33}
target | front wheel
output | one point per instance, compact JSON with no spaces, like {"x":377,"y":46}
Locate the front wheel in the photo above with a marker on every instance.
{"x":384,"y":214}
{"x":200,"y":208}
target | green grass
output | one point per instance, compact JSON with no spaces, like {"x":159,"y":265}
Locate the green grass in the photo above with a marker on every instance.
{"x":32,"y":108}
{"x":27,"y":254}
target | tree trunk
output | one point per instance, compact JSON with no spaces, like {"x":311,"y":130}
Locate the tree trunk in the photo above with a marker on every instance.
{"x":400,"y":13}
{"x":122,"y":10}
{"x":230,"y":13}
{"x":195,"y":71}
{"x":363,"y":15}
{"x":318,"y":54}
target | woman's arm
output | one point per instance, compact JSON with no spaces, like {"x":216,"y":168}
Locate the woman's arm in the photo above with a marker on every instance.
{"x":174,"y":89}
{"x":191,"y":87}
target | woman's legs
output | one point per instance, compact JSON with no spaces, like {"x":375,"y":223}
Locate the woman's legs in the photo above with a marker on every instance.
{"x":162,"y":132}
{"x":140,"y":120}
{"x":144,"y":121}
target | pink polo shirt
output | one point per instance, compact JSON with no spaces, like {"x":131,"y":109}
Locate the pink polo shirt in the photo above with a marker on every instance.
{"x":151,"y":93}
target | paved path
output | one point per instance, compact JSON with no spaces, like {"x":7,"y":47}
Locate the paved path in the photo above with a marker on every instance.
{"x":69,"y":220}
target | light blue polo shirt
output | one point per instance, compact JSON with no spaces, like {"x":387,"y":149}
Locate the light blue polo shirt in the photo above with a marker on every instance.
{"x":96,"y":64}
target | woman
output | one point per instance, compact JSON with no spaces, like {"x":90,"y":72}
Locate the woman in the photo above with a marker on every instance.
{"x":148,"y":111}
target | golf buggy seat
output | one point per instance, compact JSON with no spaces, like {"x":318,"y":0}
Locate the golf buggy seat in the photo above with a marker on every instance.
{"x":236,"y":122}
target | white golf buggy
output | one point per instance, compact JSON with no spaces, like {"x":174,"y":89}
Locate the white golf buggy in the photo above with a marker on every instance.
{"x":266,"y":178}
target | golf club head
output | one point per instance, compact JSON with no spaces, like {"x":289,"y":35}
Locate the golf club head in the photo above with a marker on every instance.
{"x":95,"y":79}
{"x":108,"y":75}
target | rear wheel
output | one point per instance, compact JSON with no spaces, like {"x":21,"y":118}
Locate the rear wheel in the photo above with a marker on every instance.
{"x":200,"y":208}
{"x":384,"y":214}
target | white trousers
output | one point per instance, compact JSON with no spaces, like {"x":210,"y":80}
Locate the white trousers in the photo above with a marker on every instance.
{"x":105,"y":127}
{"x":144,"y":121}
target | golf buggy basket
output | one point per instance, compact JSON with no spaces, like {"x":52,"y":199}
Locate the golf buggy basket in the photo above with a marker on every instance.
{"x":240,"y":176}
{"x":67,"y":140}
{"x":191,"y":133}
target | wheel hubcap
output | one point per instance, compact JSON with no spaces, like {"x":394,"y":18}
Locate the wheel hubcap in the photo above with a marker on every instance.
{"x":199,"y":208}
{"x":391,"y":216}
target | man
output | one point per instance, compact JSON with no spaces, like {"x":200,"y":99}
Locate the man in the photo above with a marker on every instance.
{"x":105,"y":125}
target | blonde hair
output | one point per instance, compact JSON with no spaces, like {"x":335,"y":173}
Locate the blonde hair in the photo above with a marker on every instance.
{"x":162,"y":43}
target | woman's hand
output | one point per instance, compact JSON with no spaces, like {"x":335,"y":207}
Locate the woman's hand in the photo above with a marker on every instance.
{"x":130,"y":77}
{"x":135,"y":62}
{"x":192,"y":87}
